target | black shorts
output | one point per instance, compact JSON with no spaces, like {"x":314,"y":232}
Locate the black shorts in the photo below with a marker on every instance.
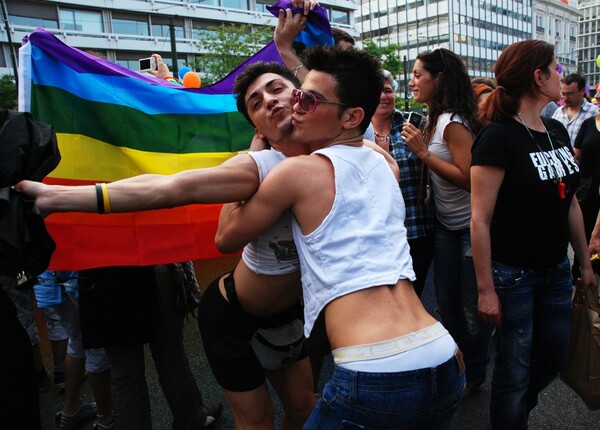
{"x":226,"y":331}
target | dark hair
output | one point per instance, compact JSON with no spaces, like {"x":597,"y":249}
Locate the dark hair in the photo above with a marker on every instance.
{"x":453,"y":91}
{"x":358,"y":77}
{"x":250,"y":74}
{"x":514,"y":76}
{"x":575,"y":77}
{"x":340,"y":35}
{"x":482,"y":80}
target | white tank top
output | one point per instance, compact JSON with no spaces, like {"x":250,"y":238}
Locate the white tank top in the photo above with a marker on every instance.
{"x":362,"y":242}
{"x":274,"y":251}
{"x":452,"y":203}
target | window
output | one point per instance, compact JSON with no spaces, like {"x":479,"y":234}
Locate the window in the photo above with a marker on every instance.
{"x":33,"y":15}
{"x":130,"y":64}
{"x":80,"y":20}
{"x":200,"y":29}
{"x":160,"y":27}
{"x":130,"y":24}
{"x":235,"y":4}
{"x":340,"y":16}
{"x":33,"y":22}
{"x":163,"y":30}
{"x":261,"y":5}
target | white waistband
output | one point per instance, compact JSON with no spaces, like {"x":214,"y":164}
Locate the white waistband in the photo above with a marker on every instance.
{"x":389,"y":347}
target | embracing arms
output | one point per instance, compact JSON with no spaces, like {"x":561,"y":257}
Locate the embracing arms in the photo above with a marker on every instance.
{"x":235,"y":180}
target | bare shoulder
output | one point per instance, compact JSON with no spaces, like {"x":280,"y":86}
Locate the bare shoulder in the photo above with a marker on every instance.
{"x":300,"y":172}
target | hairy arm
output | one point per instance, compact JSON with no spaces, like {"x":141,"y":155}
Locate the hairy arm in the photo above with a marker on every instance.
{"x":235,"y":180}
{"x":486,"y":183}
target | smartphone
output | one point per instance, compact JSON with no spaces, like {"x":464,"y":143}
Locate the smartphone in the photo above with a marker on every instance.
{"x":147,"y":64}
{"x":415,"y":119}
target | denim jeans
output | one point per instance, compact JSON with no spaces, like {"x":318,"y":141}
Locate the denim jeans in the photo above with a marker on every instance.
{"x":425,"y":398}
{"x":532,"y":341}
{"x":456,"y":294}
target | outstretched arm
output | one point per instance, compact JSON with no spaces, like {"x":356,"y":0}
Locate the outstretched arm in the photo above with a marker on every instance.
{"x":236,"y":179}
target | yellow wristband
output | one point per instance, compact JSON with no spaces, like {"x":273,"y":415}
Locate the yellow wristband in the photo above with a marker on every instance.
{"x":105,"y":198}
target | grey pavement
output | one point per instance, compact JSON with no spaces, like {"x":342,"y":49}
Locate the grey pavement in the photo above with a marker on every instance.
{"x":559,"y":407}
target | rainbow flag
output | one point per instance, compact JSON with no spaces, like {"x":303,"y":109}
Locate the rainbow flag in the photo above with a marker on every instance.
{"x":113,"y":123}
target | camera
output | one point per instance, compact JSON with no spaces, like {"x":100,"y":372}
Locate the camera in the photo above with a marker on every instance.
{"x":415,"y":119}
{"x":147,"y":64}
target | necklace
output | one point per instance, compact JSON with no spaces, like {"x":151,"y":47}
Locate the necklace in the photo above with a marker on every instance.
{"x":381,"y":137}
{"x":561,"y":187}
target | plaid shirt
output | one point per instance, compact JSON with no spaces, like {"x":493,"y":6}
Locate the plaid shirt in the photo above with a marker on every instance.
{"x":419,"y":216}
{"x":586,"y":111}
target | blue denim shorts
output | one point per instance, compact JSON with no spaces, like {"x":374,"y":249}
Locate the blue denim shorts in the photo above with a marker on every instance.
{"x":424,"y":398}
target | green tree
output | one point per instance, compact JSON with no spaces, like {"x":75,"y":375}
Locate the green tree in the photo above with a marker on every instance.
{"x":227,"y":46}
{"x":8,"y":92}
{"x":387,"y":54}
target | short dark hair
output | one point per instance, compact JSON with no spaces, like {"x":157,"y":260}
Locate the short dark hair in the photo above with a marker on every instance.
{"x":250,"y":74}
{"x":356,"y":72}
{"x":575,"y":77}
{"x":340,"y":35}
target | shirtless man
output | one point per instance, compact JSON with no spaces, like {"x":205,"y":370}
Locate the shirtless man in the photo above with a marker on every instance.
{"x":396,"y":366}
{"x":265,"y":99}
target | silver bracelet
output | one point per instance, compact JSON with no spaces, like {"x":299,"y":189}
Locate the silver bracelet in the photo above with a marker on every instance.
{"x":295,"y":69}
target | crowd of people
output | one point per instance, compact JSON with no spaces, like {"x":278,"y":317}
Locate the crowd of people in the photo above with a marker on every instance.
{"x":337,"y":236}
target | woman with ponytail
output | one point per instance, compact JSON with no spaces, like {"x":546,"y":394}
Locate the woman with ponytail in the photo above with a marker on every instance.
{"x":523,"y":178}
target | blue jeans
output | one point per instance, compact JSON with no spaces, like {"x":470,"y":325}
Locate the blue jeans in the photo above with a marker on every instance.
{"x":532,"y":342}
{"x":456,"y":294}
{"x":425,"y":398}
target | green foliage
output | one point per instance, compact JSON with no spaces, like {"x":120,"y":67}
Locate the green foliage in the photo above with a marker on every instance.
{"x":387,"y":54}
{"x":8,"y":92}
{"x":227,"y":46}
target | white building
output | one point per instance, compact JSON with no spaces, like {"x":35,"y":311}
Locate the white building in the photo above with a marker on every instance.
{"x":589,"y":41}
{"x":477,"y":30}
{"x":556,"y":22}
{"x":127,"y":30}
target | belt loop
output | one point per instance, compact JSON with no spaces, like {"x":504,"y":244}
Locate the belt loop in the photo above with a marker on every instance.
{"x":229,"y":285}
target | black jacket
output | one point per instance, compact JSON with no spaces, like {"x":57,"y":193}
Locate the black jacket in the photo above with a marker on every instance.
{"x":28,"y":150}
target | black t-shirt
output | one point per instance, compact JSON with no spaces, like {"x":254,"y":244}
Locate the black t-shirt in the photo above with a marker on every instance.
{"x":588,"y":141}
{"x":530,"y":222}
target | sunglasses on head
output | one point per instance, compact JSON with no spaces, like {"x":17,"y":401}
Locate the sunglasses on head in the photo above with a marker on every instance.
{"x":308,"y":102}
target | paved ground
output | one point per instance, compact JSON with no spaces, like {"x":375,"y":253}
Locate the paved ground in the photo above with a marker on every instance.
{"x":559,"y":408}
